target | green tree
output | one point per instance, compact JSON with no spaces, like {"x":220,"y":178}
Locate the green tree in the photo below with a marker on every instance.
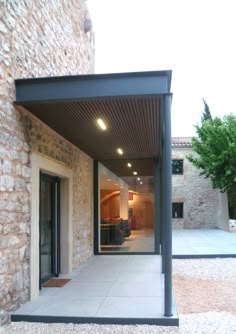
{"x":206,"y":115}
{"x":215,"y":145}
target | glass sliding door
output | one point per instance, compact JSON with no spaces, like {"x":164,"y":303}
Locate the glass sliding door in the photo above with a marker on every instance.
{"x":141,"y":212}
{"x":49,"y":227}
{"x":126,"y":213}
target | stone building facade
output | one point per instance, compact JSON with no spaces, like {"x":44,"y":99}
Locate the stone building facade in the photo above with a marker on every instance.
{"x":197,"y":204}
{"x":42,"y":39}
{"x":39,"y":39}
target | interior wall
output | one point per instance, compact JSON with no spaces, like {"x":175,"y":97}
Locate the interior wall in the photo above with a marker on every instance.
{"x":110,"y":208}
{"x":114,"y":203}
{"x":143,"y":210}
{"x":124,"y":204}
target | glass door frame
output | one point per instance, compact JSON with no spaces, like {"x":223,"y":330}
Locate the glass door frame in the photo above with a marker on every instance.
{"x":55,"y":232}
{"x":96,"y":208}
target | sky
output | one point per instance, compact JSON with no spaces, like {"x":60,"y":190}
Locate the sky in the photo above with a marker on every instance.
{"x":193,"y":38}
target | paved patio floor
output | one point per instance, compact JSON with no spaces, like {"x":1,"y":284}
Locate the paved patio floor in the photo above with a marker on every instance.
{"x":105,"y":287}
{"x":121,"y":288}
{"x":204,"y":242}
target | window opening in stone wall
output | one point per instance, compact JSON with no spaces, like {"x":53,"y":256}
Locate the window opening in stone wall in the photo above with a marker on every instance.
{"x":177,"y":167}
{"x":177,"y":210}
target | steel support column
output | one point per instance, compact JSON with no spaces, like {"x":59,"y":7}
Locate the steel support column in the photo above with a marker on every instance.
{"x":167,"y":204}
{"x":162,"y":189}
{"x":162,"y":214}
{"x":157,"y":206}
{"x":95,"y":206}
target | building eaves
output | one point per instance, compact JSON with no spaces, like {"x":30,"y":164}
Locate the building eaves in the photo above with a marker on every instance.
{"x":183,"y":142}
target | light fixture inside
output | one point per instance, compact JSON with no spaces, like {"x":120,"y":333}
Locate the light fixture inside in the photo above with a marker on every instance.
{"x":129,"y":164}
{"x":135,"y":173}
{"x":101,"y":124}
{"x":120,"y":151}
{"x":138,"y":179}
{"x":141,"y":182}
{"x":108,"y":180}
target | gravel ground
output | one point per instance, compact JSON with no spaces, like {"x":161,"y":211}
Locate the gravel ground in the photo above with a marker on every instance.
{"x":202,"y":323}
{"x":213,"y":269}
{"x":207,"y":285}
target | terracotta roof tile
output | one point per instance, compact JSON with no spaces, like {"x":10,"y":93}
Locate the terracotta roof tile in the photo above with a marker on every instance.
{"x":181,"y":142}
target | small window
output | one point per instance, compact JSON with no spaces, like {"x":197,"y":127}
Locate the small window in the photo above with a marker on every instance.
{"x":177,"y":210}
{"x":177,"y":167}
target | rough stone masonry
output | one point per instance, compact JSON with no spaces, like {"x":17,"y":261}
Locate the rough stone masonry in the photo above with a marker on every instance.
{"x":38,"y":39}
{"x":204,"y":207}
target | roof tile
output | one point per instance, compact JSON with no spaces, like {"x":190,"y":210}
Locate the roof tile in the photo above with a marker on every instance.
{"x":181,"y":142}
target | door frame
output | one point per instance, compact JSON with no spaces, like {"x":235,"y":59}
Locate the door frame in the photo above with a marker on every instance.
{"x":96,"y":206}
{"x":55,"y":232}
{"x":54,"y":168}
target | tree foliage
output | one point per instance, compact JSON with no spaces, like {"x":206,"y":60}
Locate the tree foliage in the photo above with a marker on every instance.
{"x":206,"y":115}
{"x":215,"y":146}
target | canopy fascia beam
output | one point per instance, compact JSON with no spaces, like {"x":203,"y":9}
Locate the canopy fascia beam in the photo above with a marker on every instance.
{"x":96,"y":86}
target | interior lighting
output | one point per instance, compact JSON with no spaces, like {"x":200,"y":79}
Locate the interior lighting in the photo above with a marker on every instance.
{"x":101,"y":124}
{"x":138,"y":179}
{"x":108,"y":180}
{"x":135,"y":173}
{"x":120,"y":151}
{"x":129,"y":164}
{"x":141,"y":182}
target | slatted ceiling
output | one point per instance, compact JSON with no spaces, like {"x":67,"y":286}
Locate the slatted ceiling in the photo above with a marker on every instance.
{"x":133,"y":125}
{"x":144,"y":167}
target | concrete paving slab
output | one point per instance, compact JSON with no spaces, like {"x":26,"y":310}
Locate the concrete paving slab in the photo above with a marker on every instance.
{"x":70,"y":306}
{"x":119,"y":286}
{"x":139,"y":307}
{"x":203,"y":242}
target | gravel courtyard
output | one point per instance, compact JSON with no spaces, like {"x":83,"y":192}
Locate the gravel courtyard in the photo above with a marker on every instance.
{"x":205,"y":290}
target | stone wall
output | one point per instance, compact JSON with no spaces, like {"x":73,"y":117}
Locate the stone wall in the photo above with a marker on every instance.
{"x":37,"y":38}
{"x":45,"y":141}
{"x":202,"y":203}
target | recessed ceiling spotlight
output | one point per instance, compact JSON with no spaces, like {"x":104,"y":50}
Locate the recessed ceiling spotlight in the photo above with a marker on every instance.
{"x":141,"y":182}
{"x":129,"y":164}
{"x":101,"y":124}
{"x":135,"y":173}
{"x":120,"y":151}
{"x":138,"y":179}
{"x":108,"y":180}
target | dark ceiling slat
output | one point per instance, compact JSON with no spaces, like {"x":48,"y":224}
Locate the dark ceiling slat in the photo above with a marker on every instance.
{"x":144,"y":167}
{"x":131,"y":119}
{"x":145,"y":134}
{"x":133,"y":124}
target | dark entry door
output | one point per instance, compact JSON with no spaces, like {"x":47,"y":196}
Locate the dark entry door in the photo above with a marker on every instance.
{"x":49,"y":227}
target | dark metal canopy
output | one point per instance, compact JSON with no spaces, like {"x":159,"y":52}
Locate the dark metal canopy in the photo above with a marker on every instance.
{"x":129,"y":104}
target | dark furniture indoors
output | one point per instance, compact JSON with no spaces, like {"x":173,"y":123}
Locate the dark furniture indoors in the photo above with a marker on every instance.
{"x":113,"y":231}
